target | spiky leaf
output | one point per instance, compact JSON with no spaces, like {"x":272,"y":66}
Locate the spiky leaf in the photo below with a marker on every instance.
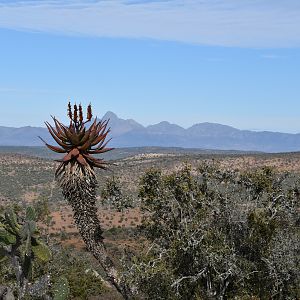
{"x":61,"y":289}
{"x":78,"y":141}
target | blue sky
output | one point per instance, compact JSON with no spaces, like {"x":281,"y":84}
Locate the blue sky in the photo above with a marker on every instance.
{"x":185,"y":61}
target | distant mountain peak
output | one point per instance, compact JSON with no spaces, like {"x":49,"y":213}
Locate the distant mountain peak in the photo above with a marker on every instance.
{"x":166,"y":127}
{"x":110,"y":115}
{"x":212,"y":124}
{"x":207,"y":128}
{"x":164,"y":123}
{"x":120,"y":126}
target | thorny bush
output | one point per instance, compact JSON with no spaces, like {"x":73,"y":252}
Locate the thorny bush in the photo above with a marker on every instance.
{"x":217,"y":234}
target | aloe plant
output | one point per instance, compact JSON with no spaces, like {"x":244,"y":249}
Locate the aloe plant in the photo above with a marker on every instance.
{"x":21,"y":244}
{"x":77,"y":178}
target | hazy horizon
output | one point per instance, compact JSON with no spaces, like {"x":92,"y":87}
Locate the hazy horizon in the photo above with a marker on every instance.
{"x":65,"y":120}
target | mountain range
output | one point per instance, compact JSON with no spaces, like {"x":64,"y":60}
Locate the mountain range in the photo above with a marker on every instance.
{"x":129,"y":133}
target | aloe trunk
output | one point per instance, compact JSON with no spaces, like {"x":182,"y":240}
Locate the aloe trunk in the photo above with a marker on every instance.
{"x":78,"y":185}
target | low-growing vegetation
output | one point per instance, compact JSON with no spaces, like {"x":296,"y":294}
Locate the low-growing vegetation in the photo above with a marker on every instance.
{"x":218,"y":235}
{"x":206,"y":233}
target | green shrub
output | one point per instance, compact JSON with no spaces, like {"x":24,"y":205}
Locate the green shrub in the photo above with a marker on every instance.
{"x":217,"y":234}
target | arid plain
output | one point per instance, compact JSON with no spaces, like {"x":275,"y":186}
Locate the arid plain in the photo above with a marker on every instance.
{"x":28,"y":179}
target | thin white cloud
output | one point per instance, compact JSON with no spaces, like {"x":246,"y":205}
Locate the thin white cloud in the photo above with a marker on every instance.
{"x":245,"y":23}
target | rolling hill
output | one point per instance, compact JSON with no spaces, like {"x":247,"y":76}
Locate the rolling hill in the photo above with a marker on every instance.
{"x":129,"y":133}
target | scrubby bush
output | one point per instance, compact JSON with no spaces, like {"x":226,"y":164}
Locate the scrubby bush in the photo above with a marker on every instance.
{"x":217,"y":234}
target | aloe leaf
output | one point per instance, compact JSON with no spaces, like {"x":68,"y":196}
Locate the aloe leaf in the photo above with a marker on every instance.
{"x":61,"y":289}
